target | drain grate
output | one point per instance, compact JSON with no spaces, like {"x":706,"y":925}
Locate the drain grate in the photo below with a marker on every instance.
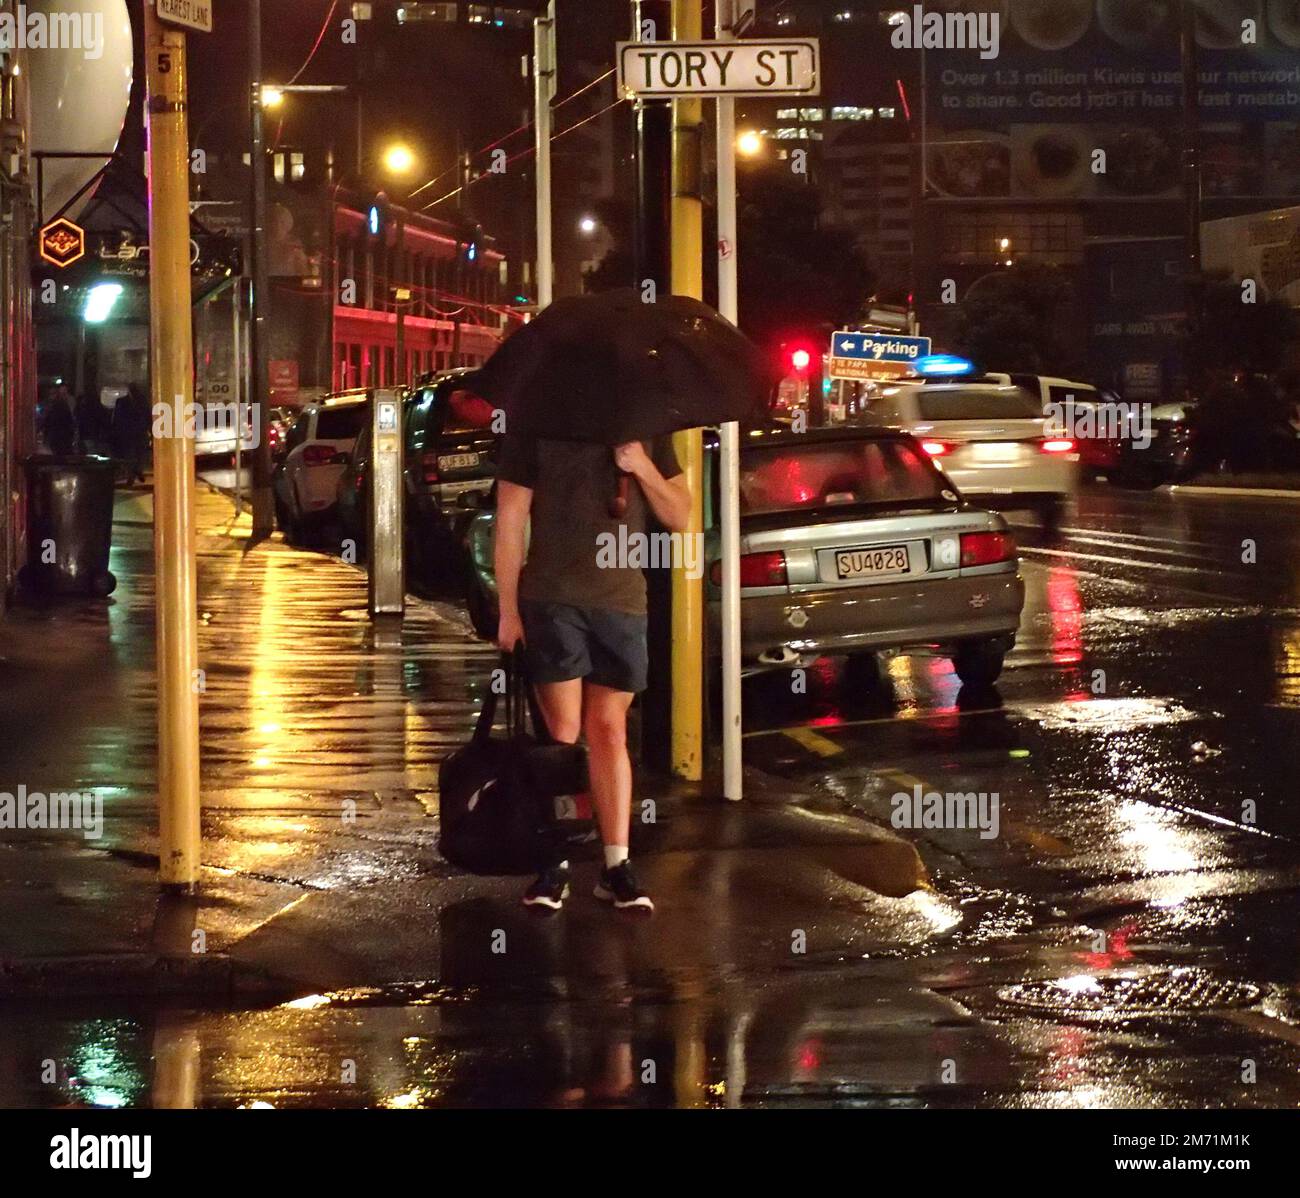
{"x":1163,"y":992}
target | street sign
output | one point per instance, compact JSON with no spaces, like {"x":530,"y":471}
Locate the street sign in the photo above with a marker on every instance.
{"x":875,"y":355}
{"x":193,"y":14}
{"x":62,"y":242}
{"x":757,"y":67}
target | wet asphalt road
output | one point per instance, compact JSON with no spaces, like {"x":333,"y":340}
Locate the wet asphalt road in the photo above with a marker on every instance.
{"x":1127,"y":939}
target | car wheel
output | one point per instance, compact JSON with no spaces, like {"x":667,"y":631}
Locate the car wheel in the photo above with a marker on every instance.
{"x":1053,"y":513}
{"x":978,"y":663}
{"x":862,"y":672}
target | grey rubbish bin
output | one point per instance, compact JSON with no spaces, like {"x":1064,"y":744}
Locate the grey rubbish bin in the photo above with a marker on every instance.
{"x":69,"y":525}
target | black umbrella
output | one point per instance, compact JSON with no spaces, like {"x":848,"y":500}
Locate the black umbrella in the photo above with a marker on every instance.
{"x":610,"y":368}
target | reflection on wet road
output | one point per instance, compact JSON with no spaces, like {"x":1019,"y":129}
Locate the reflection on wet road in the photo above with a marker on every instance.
{"x":1127,"y":937}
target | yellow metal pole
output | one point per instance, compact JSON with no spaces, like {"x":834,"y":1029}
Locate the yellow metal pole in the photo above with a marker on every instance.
{"x":688,"y":279}
{"x":172,"y":376}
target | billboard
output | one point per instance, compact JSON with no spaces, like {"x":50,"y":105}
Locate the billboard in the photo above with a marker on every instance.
{"x":1073,"y":77}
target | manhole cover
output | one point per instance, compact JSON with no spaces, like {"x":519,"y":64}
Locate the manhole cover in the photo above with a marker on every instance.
{"x":1166,"y":993}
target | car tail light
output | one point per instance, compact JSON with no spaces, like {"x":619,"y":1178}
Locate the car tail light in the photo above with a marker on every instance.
{"x":429,"y":467}
{"x":1056,"y":445}
{"x":936,"y":449}
{"x":756,"y":570}
{"x":321,"y":455}
{"x":985,"y":548}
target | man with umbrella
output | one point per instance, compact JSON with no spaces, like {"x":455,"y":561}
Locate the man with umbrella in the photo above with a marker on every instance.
{"x":583,"y":620}
{"x":591,"y":390}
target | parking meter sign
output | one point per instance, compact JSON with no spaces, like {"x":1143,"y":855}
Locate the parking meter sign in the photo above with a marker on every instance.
{"x":192,"y":14}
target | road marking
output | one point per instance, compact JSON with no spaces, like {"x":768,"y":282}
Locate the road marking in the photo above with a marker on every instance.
{"x":1044,"y":842}
{"x":1157,"y":548}
{"x":1130,"y":561}
{"x":1137,"y":536}
{"x":814,"y":742}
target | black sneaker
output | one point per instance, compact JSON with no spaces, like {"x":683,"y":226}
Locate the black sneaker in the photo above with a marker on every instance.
{"x":619,"y":886}
{"x":550,"y":890}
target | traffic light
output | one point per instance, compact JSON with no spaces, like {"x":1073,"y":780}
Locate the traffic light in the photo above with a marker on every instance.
{"x":797,"y":357}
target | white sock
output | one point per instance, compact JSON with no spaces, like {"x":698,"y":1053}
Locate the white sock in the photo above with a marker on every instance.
{"x":615,"y":855}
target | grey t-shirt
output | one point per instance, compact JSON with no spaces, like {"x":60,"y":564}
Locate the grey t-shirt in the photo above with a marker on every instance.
{"x":572,"y":484}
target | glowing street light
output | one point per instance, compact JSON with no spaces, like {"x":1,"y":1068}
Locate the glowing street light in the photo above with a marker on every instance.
{"x":750,"y":143}
{"x":272,"y":97}
{"x":99,"y":302}
{"x":587,"y":225}
{"x":399,"y":159}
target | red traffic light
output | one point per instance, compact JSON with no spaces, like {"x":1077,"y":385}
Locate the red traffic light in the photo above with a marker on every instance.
{"x":800,"y":360}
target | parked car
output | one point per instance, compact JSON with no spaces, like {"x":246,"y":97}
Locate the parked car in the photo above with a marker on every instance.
{"x":217,"y":434}
{"x":852,"y":542}
{"x":1172,"y":454}
{"x":1096,"y":422}
{"x":304,"y":483}
{"x":992,"y":441}
{"x":278,"y":421}
{"x":449,"y":453}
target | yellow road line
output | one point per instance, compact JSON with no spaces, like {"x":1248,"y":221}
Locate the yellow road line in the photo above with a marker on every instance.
{"x":814,"y":742}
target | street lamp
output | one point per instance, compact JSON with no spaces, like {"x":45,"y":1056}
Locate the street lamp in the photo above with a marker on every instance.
{"x":399,"y":159}
{"x":750,"y":143}
{"x":587,"y":225}
{"x":272,"y":97}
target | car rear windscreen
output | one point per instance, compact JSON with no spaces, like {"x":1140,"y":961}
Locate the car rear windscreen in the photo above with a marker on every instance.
{"x":970,"y":404}
{"x":832,"y":473}
{"x":338,"y":424}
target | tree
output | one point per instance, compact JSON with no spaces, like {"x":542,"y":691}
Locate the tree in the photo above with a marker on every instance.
{"x":797,"y":274}
{"x":1255,"y":337}
{"x":1008,"y":319}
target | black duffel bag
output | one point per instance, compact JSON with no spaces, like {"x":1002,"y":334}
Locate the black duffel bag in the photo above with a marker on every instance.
{"x":497,"y":796}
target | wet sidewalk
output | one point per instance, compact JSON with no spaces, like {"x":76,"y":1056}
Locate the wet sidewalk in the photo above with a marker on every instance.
{"x":321,"y":738}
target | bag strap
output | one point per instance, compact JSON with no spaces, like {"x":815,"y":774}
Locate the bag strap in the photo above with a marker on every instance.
{"x":523,"y":700}
{"x":486,"y":718}
{"x":521,"y":703}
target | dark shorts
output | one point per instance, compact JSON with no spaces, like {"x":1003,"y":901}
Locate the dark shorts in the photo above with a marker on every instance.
{"x":604,"y":647}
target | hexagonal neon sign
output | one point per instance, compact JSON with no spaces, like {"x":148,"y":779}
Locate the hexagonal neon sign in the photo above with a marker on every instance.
{"x":62,"y":242}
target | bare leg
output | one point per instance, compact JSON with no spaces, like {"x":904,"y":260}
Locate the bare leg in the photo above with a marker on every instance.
{"x":604,"y":723}
{"x":561,"y":704}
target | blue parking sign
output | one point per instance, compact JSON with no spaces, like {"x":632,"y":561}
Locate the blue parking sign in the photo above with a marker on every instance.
{"x":857,"y":355}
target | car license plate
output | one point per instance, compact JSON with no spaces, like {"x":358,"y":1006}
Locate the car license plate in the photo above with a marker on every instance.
{"x":863,"y":563}
{"x":457,"y":461}
{"x":994,"y":451}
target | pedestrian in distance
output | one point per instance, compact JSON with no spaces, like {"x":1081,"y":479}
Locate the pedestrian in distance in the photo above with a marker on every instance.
{"x":582,"y":620}
{"x":131,"y":421}
{"x":58,"y":424}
